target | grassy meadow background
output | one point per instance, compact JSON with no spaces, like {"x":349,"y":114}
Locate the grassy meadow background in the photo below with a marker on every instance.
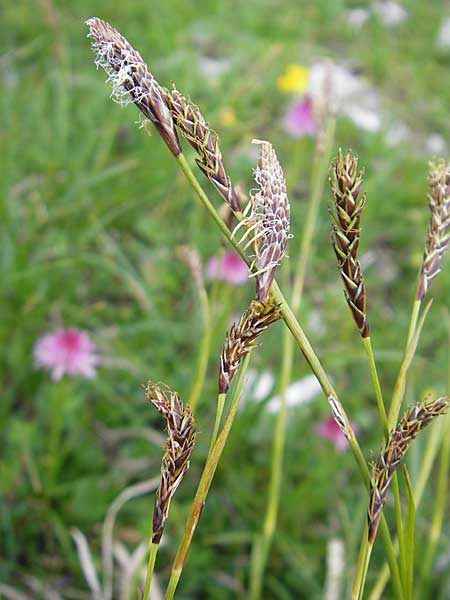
{"x":92,"y":211}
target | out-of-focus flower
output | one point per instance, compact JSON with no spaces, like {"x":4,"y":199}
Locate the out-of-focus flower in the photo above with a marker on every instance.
{"x":229,"y":267}
{"x":66,"y":352}
{"x":436,"y":144}
{"x":443,"y":38}
{"x":390,"y":13}
{"x":213,"y":68}
{"x":294,"y":79}
{"x":297,"y":393}
{"x":350,"y":94}
{"x":227,"y":117}
{"x":299,"y":119}
{"x":357,"y":17}
{"x":329,"y":429}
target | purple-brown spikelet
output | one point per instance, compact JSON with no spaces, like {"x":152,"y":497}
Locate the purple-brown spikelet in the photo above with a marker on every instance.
{"x":242,"y":338}
{"x":346,"y":211}
{"x":415,"y":419}
{"x":130,"y":78}
{"x":438,"y":234}
{"x":205,"y":142}
{"x":269,"y":219}
{"x":180,"y":442}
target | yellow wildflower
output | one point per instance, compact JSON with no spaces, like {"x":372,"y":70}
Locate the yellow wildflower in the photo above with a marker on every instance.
{"x":227,"y":117}
{"x":294,"y":79}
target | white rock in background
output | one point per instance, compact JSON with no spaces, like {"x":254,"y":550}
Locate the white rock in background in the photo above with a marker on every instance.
{"x":298,"y":393}
{"x":443,"y":38}
{"x":390,"y":13}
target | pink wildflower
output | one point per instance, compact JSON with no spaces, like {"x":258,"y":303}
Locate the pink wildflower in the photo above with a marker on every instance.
{"x":230,"y":267}
{"x":66,"y":352}
{"x":328,"y":429}
{"x":299,"y":119}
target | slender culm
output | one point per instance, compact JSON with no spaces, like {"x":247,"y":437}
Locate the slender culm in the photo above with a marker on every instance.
{"x":130,"y":79}
{"x":205,"y":142}
{"x":415,"y":419}
{"x":180,"y":442}
{"x":242,"y":338}
{"x":346,"y":211}
{"x":438,"y":234}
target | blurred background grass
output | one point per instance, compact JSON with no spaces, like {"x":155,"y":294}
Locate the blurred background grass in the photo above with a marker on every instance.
{"x":92,"y":210}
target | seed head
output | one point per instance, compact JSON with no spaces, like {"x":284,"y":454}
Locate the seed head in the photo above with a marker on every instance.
{"x":346,"y":211}
{"x":180,"y":442}
{"x":269,"y":219}
{"x":415,"y":419}
{"x":205,"y":142}
{"x":242,"y":338}
{"x":438,"y":234}
{"x":130,"y":78}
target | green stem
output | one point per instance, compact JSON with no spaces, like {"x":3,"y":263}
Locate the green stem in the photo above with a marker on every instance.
{"x":203,"y":353}
{"x":205,"y":483}
{"x":400,"y":384}
{"x":302,"y":342}
{"x":362,"y":567}
{"x":263,"y":541}
{"x":376,"y":384}
{"x":58,"y":395}
{"x":150,"y":568}
{"x":219,"y":411}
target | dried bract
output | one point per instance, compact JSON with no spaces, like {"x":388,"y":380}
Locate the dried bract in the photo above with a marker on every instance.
{"x":438,"y":234}
{"x":242,"y":338}
{"x":348,"y":203}
{"x":130,"y":78}
{"x":205,"y":142}
{"x":415,"y":419}
{"x":269,"y":219}
{"x":180,"y":442}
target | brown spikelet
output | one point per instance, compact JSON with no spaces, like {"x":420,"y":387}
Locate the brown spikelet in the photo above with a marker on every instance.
{"x":180,"y":442}
{"x":269,"y":220}
{"x":242,"y":338}
{"x":438,"y":234}
{"x":348,"y":203}
{"x":130,"y":78}
{"x":205,"y":142}
{"x":415,"y":419}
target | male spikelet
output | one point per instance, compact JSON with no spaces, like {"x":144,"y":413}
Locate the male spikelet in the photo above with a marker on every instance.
{"x":269,"y":219}
{"x":348,"y":203}
{"x":438,"y":234}
{"x":130,"y":78}
{"x":205,"y":142}
{"x":415,"y":419}
{"x":180,"y":442}
{"x":242,"y":338}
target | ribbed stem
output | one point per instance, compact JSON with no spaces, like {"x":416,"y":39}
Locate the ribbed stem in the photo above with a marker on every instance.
{"x":150,"y":568}
{"x":205,"y":483}
{"x":203,"y":353}
{"x":304,"y":345}
{"x":263,"y":541}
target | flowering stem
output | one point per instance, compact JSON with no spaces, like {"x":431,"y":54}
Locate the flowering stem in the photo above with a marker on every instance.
{"x":411,"y":345}
{"x":150,"y":568}
{"x":263,"y":541}
{"x":219,"y":411}
{"x":308,"y":352}
{"x":58,"y":395}
{"x":205,"y":483}
{"x":203,"y":353}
